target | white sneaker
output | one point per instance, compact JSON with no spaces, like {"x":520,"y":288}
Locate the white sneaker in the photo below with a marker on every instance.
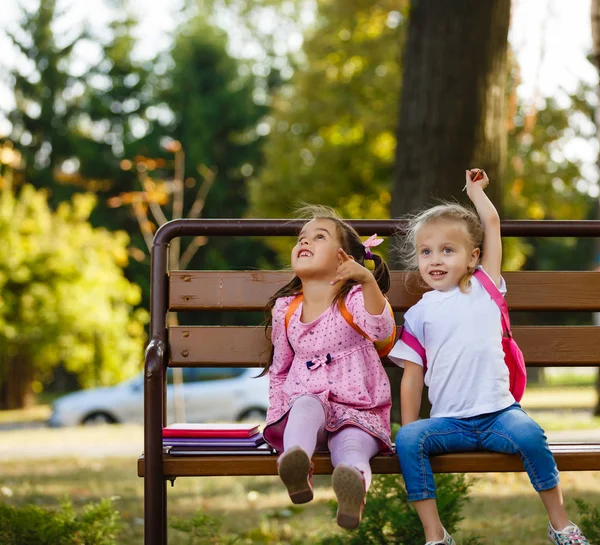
{"x":446,"y":540}
{"x":571,"y":535}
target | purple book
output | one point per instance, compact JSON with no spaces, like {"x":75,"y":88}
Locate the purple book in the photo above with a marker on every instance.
{"x":198,"y":443}
{"x":264,"y":450}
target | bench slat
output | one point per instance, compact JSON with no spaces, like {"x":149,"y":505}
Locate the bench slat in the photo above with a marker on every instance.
{"x":569,"y":457}
{"x":243,"y":346}
{"x":250,"y":290}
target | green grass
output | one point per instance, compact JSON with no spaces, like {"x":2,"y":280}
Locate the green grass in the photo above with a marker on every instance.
{"x":560,"y":421}
{"x":562,"y":408}
{"x":559,"y":398}
{"x":569,"y":379}
{"x":504,"y":508}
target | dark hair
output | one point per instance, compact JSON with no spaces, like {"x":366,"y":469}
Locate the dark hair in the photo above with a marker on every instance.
{"x":351,"y":243}
{"x":448,"y":211}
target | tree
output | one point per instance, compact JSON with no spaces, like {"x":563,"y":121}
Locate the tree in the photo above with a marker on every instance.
{"x":214,"y":119}
{"x":64,"y":298}
{"x":452,"y":108}
{"x":332,"y":128}
{"x":113,"y":115}
{"x":544,"y":181}
{"x":271,"y":31}
{"x":112,"y":110}
{"x":44,"y":110}
{"x":74,"y":130}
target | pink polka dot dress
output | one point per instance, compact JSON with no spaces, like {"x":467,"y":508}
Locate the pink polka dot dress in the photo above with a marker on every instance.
{"x":327,"y":359}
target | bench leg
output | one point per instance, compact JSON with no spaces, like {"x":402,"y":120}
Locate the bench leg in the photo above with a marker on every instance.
{"x":155,"y":486}
{"x":155,"y":510}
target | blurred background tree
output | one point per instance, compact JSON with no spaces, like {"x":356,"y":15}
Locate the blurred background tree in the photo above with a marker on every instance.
{"x":113,"y":112}
{"x":332,"y":127}
{"x":213,"y":122}
{"x":65,"y":300}
{"x":43,"y":89}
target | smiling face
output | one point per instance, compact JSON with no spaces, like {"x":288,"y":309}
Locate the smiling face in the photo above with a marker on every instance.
{"x":316,"y":252}
{"x":445,"y":253}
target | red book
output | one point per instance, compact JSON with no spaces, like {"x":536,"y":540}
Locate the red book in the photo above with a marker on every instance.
{"x":211,"y":430}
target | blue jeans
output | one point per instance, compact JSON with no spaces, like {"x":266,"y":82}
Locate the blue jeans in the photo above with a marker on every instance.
{"x":510,"y":431}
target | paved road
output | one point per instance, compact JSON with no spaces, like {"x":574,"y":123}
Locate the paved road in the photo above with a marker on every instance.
{"x":7,"y":426}
{"x":42,"y":442}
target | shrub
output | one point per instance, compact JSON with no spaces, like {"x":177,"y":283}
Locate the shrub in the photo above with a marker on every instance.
{"x":203,"y":530}
{"x":97,"y":524}
{"x":389,"y":518}
{"x":589,"y":520}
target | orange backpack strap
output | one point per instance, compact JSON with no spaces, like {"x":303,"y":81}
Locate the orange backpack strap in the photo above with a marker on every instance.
{"x":383,"y":346}
{"x":289,"y":312}
{"x":350,"y":319}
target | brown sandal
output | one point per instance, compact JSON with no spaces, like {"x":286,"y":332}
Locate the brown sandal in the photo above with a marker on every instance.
{"x":296,"y":471}
{"x":349,"y":486}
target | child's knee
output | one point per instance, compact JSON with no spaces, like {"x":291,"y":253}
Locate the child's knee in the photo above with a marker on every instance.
{"x":530,"y":435}
{"x":535,"y":434}
{"x":408,"y":437}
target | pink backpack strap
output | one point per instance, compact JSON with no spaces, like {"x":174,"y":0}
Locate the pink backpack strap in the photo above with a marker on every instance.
{"x":412,"y":342}
{"x":495,"y":294}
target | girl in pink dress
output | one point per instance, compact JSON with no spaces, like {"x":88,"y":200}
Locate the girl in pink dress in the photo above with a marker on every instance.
{"x":327,"y":383}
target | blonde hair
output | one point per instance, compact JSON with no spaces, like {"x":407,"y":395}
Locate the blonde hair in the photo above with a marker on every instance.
{"x":447,"y":211}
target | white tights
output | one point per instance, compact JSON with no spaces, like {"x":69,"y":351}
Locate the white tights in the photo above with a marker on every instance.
{"x":349,"y":445}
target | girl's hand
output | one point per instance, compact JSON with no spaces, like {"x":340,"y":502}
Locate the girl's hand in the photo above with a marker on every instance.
{"x":476,"y":177}
{"x":349,"y":269}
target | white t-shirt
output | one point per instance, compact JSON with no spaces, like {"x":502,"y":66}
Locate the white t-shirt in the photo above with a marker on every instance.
{"x":462,"y":337}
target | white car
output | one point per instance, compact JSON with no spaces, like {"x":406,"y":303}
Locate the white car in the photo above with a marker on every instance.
{"x":211,"y":394}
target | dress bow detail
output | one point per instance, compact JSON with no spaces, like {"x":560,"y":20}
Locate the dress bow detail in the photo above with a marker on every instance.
{"x":317,"y":362}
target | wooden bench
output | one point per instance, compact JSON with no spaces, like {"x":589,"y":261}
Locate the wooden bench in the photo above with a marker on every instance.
{"x":246,"y":346}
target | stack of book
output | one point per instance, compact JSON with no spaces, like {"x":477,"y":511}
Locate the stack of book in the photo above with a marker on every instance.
{"x":214,"y":439}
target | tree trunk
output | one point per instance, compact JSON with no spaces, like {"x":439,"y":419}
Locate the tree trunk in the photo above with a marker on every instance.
{"x":595,"y":20}
{"x":452,"y":109}
{"x":15,"y":387}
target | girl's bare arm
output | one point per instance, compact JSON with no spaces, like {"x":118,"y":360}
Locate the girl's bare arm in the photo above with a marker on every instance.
{"x":411,"y":390}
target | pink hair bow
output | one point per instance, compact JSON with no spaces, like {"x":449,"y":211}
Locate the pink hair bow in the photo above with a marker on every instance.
{"x":371,"y":242}
{"x":317,"y":362}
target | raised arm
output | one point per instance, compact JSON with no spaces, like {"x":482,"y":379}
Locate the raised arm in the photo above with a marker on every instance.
{"x":374,"y":300}
{"x":376,"y":326}
{"x":491,"y":260}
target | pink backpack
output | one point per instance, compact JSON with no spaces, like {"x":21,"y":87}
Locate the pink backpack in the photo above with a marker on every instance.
{"x":513,"y":357}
